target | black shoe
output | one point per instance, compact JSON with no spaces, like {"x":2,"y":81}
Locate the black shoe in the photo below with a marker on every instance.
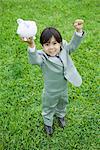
{"x":48,"y":129}
{"x":61,"y":122}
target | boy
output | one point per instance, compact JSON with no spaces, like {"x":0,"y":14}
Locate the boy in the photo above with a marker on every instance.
{"x":58,"y":68}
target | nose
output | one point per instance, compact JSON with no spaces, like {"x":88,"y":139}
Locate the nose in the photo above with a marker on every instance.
{"x":51,"y":46}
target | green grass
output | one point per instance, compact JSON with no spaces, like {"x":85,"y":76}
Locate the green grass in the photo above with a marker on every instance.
{"x":21,"y":84}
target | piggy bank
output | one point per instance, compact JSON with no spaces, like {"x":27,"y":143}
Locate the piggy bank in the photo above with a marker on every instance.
{"x":26,"y":29}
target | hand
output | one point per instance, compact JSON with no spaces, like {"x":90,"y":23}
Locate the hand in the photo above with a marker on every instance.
{"x":78,"y":24}
{"x":29,"y":41}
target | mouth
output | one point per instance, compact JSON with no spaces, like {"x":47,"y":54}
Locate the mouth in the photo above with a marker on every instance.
{"x":52,"y":51}
{"x":52,"y":54}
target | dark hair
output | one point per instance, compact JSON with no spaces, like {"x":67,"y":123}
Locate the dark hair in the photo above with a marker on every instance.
{"x":47,"y":33}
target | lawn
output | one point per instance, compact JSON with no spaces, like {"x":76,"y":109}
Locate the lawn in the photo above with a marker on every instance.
{"x":21,"y":84}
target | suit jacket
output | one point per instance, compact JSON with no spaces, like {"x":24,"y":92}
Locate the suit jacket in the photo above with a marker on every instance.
{"x":69,"y":70}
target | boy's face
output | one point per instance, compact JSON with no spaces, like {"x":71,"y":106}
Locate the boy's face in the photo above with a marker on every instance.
{"x":52,"y":47}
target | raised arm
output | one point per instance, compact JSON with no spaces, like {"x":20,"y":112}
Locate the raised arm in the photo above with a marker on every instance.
{"x":77,"y":37}
{"x":33,"y":55}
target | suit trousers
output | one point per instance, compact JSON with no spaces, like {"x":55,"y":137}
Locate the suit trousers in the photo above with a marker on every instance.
{"x":53,"y":103}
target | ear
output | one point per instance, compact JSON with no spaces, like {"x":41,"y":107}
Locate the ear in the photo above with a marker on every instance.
{"x":60,"y":45}
{"x":19,"y":20}
{"x":42,"y":46}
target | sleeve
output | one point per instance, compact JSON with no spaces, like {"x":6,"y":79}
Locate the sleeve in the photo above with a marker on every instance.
{"x":34,"y":56}
{"x":75,"y":42}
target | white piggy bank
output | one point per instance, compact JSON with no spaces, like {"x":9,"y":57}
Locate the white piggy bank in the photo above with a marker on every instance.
{"x":26,"y":29}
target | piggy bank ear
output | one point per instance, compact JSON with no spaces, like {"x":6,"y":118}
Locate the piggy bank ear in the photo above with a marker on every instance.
{"x":19,"y":21}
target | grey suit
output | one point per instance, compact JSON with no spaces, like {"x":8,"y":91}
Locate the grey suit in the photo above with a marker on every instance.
{"x":57,"y":71}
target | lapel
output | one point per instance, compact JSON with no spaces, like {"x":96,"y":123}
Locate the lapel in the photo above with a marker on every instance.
{"x":63,"y":55}
{"x":70,"y":71}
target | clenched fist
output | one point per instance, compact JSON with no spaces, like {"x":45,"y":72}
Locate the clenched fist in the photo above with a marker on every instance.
{"x":78,"y":24}
{"x":30,"y":41}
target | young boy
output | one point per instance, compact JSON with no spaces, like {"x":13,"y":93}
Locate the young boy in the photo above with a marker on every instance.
{"x":58,"y":68}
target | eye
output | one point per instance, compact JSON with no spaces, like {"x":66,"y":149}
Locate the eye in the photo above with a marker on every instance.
{"x":46,"y":44}
{"x":55,"y":43}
